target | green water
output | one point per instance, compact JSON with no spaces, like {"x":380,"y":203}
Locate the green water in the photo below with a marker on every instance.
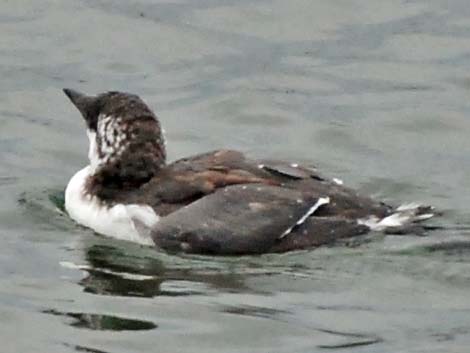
{"x":375,"y":93}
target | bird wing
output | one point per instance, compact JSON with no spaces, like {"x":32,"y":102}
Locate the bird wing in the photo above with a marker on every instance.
{"x":238,"y":219}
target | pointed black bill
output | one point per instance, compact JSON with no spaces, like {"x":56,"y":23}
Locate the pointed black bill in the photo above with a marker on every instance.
{"x":87,"y":105}
{"x":78,"y":99}
{"x":73,"y":95}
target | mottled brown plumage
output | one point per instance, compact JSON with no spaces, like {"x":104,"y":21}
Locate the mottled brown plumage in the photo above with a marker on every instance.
{"x":219,"y":202}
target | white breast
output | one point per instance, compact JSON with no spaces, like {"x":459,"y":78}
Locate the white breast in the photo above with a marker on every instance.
{"x":116,"y":221}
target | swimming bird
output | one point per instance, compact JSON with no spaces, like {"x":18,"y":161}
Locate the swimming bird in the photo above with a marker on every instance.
{"x":220,"y":202}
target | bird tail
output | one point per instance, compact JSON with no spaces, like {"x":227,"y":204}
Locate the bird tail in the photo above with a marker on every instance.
{"x":403,"y":218}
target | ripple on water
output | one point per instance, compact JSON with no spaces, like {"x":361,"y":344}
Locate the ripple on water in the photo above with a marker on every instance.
{"x":100,"y":322}
{"x":248,"y":288}
{"x":46,"y":208}
{"x":80,"y":348}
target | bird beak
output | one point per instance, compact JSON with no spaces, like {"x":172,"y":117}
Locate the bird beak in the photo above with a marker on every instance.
{"x":73,"y":95}
{"x":81,"y":101}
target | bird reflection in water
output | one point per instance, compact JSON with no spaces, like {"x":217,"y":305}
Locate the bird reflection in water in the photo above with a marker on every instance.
{"x":115,"y":270}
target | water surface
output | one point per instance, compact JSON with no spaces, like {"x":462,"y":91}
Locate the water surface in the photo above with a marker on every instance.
{"x":375,"y":93}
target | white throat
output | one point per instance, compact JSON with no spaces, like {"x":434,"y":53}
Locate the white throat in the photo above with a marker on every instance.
{"x":113,"y":141}
{"x":118,"y":221}
{"x":93,"y":151}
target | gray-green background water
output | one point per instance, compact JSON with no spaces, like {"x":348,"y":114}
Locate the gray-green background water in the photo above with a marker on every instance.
{"x":373,"y":92}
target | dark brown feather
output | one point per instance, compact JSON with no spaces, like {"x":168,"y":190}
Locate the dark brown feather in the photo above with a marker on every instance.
{"x":218,"y":202}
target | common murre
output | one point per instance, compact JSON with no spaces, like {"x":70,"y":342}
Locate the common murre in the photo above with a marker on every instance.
{"x":219,"y":202}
